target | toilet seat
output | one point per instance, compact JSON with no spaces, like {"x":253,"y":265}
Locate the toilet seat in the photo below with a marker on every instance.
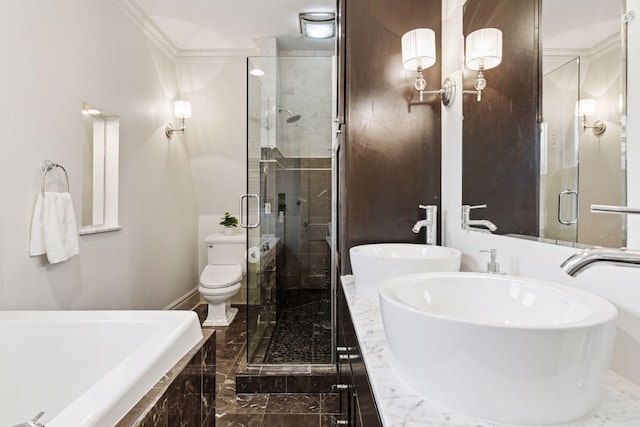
{"x":220,"y":275}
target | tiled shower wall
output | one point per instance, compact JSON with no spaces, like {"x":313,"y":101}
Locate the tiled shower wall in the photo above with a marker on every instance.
{"x":305,"y":184}
{"x":305,"y":90}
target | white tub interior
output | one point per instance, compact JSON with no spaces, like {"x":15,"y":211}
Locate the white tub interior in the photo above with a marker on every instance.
{"x":86,"y":368}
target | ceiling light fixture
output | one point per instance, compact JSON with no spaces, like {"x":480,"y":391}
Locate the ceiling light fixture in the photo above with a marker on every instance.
{"x":317,"y":25}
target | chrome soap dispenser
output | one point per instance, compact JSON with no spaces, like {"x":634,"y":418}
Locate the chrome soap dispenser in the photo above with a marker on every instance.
{"x":492,"y":266}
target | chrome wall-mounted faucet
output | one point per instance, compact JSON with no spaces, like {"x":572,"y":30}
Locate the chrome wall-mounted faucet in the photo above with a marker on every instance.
{"x":33,"y":422}
{"x":469,"y":224}
{"x":431,"y":223}
{"x":583,"y":259}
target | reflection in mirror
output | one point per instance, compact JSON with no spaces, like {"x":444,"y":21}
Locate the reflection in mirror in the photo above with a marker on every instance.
{"x":582,"y":144}
{"x":500,"y":133}
{"x":580,"y":158}
{"x":99,"y":170}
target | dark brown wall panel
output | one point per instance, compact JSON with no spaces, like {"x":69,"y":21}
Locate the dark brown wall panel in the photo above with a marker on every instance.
{"x":391,"y":155}
{"x":500,"y":133}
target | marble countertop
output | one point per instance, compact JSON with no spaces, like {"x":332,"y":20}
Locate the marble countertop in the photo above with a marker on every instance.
{"x":399,"y":406}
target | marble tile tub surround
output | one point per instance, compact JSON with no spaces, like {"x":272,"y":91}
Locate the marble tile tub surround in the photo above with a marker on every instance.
{"x":185,"y":396}
{"x":398,"y":405}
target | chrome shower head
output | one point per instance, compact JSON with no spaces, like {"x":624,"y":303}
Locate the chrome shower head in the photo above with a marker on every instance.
{"x":292,"y":117}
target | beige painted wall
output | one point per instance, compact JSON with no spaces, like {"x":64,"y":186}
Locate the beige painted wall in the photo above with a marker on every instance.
{"x":57,"y":55}
{"x":216,"y":141}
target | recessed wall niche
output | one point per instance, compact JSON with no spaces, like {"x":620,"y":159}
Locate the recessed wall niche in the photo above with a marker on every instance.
{"x":100,"y":151}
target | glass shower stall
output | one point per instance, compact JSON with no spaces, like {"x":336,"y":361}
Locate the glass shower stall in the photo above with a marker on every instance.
{"x":287,"y":210}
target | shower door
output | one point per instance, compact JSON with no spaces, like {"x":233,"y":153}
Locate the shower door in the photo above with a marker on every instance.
{"x":559,"y":196}
{"x":258,"y":209}
{"x":584,"y":149}
{"x":289,"y":165}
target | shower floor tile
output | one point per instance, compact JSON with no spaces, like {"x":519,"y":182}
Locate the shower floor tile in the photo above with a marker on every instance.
{"x":302,"y":335}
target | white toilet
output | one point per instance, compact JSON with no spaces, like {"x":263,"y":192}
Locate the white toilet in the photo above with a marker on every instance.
{"x":222,"y":277}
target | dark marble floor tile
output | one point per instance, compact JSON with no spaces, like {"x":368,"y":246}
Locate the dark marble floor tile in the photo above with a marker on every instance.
{"x":323,"y":383}
{"x":229,"y":352}
{"x":268,"y":410}
{"x":311,"y":383}
{"x":225,"y":385}
{"x":241,"y":404}
{"x":226,"y":368}
{"x":239,"y":420}
{"x":201,"y":311}
{"x":330,"y":403}
{"x":291,"y":420}
{"x":261,"y":384}
{"x":327,"y":420}
{"x":299,"y":384}
{"x":293,"y":404}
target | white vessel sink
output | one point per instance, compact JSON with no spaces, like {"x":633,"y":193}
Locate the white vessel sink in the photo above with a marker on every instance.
{"x":501,"y":348}
{"x":373,"y":264}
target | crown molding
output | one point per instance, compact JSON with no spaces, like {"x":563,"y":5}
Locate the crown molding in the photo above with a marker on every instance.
{"x":598,"y":49}
{"x":148,"y":27}
{"x":203,"y":54}
{"x":162,"y":41}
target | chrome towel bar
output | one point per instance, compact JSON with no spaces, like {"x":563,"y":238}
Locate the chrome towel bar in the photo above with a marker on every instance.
{"x":47,"y":165}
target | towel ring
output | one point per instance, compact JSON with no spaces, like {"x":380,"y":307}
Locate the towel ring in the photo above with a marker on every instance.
{"x":47,"y":165}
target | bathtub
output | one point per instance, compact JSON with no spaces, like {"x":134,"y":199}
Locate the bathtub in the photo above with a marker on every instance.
{"x":86,"y":368}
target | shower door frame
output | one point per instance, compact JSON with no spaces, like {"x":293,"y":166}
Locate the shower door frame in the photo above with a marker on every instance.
{"x":254,"y":285}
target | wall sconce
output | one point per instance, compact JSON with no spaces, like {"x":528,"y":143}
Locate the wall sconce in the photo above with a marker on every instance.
{"x":418,"y":53}
{"x":483,"y":51}
{"x":587,"y":107}
{"x":182,"y":110}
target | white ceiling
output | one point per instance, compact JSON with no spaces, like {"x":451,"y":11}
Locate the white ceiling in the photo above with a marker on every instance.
{"x":579,"y":24}
{"x":234,"y":25}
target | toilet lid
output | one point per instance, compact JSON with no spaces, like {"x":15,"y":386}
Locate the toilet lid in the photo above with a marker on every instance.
{"x":221,"y":275}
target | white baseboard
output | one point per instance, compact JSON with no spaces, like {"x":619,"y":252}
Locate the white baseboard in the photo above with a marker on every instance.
{"x":186,"y":302}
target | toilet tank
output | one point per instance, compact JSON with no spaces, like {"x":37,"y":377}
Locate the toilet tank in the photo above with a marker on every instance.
{"x":226,"y":249}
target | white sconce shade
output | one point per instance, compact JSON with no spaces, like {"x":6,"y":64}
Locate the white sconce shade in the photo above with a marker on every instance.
{"x":483,"y":49}
{"x":418,"y":49}
{"x":182,"y":109}
{"x":585,"y":107}
{"x":418,"y":53}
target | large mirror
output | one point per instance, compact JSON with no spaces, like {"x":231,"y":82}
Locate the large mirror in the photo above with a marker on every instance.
{"x":576,"y":155}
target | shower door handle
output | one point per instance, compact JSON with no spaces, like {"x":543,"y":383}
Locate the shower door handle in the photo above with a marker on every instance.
{"x":243,"y":224}
{"x":560,"y":199}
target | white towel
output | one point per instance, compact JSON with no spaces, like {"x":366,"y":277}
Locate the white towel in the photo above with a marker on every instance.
{"x":36,"y":244}
{"x":54,"y":230}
